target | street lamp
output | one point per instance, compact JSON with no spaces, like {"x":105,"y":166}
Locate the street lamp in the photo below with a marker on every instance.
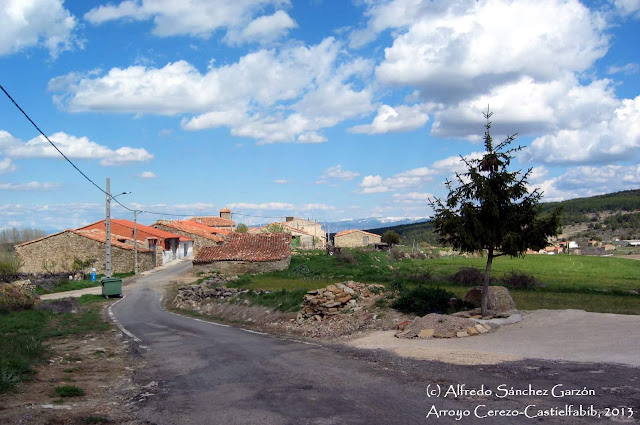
{"x":107,"y":265}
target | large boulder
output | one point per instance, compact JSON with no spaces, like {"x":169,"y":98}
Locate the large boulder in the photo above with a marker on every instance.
{"x":498,"y":299}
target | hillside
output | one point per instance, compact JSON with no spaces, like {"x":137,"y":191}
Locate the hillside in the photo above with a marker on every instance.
{"x":604,"y":217}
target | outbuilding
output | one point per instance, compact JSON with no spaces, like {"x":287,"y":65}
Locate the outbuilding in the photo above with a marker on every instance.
{"x":355,"y":238}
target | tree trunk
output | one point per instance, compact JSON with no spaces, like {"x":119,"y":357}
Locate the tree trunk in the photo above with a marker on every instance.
{"x":485,"y":285}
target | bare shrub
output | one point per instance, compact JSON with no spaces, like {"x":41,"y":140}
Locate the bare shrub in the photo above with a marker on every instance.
{"x":468,"y":276}
{"x":520,"y":280}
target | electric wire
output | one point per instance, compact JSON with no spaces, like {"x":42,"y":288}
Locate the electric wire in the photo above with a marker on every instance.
{"x":112,"y":197}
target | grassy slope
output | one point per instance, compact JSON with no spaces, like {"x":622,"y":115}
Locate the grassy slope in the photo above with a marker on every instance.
{"x":590,"y":283}
{"x":24,"y":333}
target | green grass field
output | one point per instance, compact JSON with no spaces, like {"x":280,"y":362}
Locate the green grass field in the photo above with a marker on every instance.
{"x":23,"y":335}
{"x":598,"y":284}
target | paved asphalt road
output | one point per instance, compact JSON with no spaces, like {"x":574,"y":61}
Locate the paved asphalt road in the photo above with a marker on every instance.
{"x":203,"y":373}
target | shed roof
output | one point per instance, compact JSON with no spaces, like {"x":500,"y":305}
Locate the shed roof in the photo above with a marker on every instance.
{"x":247,"y":247}
{"x":214,"y":221}
{"x":347,"y":232}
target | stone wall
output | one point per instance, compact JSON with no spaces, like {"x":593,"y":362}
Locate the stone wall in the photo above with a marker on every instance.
{"x":198,"y":241}
{"x":355,"y":239}
{"x":242,"y":267}
{"x":56,"y":253}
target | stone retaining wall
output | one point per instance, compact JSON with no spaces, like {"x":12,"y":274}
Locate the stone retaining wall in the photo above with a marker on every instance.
{"x":242,"y":267}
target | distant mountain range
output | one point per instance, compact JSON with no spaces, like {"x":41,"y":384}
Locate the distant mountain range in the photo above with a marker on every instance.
{"x":370,"y":223}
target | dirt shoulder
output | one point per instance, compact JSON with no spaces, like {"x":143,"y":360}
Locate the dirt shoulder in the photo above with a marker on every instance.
{"x":102,"y":364}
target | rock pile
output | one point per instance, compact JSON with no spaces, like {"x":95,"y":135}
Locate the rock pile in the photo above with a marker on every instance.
{"x":440,"y":326}
{"x":191,"y":296}
{"x":336,"y":298}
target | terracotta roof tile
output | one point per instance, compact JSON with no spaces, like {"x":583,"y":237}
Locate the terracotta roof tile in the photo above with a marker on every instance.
{"x":193,"y":228}
{"x":247,"y":247}
{"x":214,"y":221}
{"x":141,"y":228}
{"x":101,"y":235}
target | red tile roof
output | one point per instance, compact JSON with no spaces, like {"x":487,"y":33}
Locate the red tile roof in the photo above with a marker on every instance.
{"x":214,"y":221}
{"x":96,"y":235}
{"x":347,"y":232}
{"x":247,"y":247}
{"x":193,"y":228}
{"x":141,"y":228}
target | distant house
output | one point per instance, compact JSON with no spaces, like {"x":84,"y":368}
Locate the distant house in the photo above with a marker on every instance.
{"x":168,"y":246}
{"x":631,"y":242}
{"x":55,"y":253}
{"x":201,"y":234}
{"x":246,"y":253}
{"x":552,"y":250}
{"x":355,"y":238}
{"x":312,"y":228}
{"x":299,"y":238}
{"x":608,"y":247}
{"x":223,"y":222}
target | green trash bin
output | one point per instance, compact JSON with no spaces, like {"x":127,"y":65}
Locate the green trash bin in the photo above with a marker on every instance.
{"x":111,"y":287}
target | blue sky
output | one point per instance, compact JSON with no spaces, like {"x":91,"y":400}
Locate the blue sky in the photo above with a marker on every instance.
{"x":320,"y":109}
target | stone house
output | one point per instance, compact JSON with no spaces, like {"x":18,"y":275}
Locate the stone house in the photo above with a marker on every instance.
{"x":246,"y":253}
{"x":224,"y":222}
{"x":355,"y":238}
{"x":312,"y":228}
{"x":299,"y":238}
{"x":55,"y":253}
{"x":168,"y":246}
{"x":201,"y":234}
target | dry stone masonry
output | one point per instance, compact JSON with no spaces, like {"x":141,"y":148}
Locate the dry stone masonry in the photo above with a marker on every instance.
{"x":336,"y":298}
{"x":441,"y":326}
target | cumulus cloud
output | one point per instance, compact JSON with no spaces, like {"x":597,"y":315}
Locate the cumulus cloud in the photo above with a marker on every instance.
{"x":36,"y":23}
{"x":148,"y":175}
{"x":73,"y":147}
{"x":337,"y":173}
{"x":405,"y":179}
{"x":628,"y":7}
{"x":453,"y":49}
{"x":281,"y":181}
{"x":7,"y":166}
{"x":29,"y":186}
{"x":412,"y":198}
{"x":201,"y":18}
{"x":614,"y":136}
{"x":286,"y":95}
{"x":394,"y":120}
{"x":528,"y":107}
{"x":590,"y":181}
{"x":628,"y":69}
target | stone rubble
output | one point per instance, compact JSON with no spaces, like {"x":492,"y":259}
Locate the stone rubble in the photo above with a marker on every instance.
{"x":189,"y":297}
{"x":441,"y":326}
{"x":336,"y":298}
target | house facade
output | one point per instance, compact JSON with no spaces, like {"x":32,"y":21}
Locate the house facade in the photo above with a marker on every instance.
{"x":55,"y":253}
{"x":355,"y":238}
{"x":309,"y":227}
{"x":246,"y":253}
{"x":299,"y":238}
{"x":201,"y":234}
{"x":168,"y":246}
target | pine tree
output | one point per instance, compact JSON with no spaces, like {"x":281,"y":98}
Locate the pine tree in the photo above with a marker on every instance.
{"x":490,"y":209}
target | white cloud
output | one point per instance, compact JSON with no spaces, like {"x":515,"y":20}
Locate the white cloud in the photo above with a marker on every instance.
{"x":261,"y":206}
{"x":36,"y":23}
{"x":614,"y":136}
{"x":528,"y":107}
{"x":628,"y":69}
{"x":337,"y":173}
{"x":412,"y":198}
{"x":201,"y":18}
{"x":29,"y":186}
{"x":628,"y":7}
{"x":274,"y":96}
{"x":7,"y":166}
{"x":73,"y":147}
{"x":264,"y":29}
{"x":391,"y":120}
{"x":405,"y":179}
{"x":454,"y":51}
{"x":148,"y":175}
{"x":590,"y":181}
{"x":454,"y":164}
{"x":281,"y":181}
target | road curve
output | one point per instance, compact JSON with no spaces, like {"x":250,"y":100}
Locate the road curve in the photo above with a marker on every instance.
{"x":215,"y":374}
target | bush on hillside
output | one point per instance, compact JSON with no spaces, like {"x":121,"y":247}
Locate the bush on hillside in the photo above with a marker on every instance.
{"x":345,"y":257}
{"x":520,"y":280}
{"x":397,"y":254}
{"x":14,"y":298}
{"x":468,"y":276}
{"x":424,"y":300}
